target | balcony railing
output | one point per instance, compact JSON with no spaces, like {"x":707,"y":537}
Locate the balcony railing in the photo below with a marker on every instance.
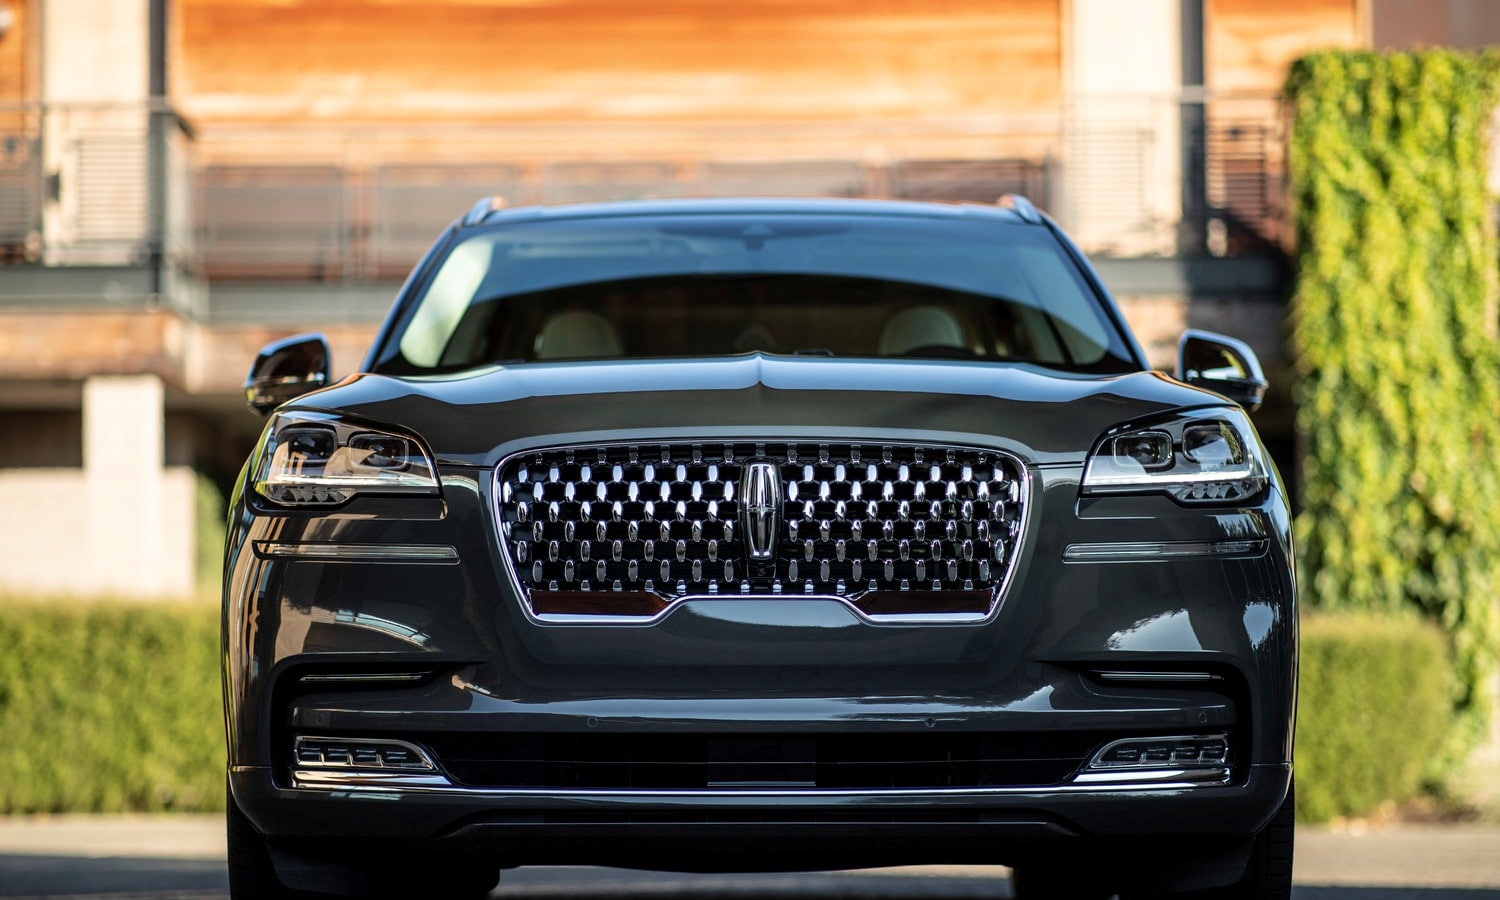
{"x":93,"y":184}
{"x":110,"y":185}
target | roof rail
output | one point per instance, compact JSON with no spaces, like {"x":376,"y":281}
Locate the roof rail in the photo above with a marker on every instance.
{"x":483,"y":208}
{"x":1021,"y":207}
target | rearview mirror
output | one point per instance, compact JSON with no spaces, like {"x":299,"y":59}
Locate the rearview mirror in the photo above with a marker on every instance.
{"x":1222,"y":365}
{"x":287,"y":368}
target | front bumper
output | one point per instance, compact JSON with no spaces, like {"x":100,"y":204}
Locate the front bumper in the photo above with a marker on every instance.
{"x":805,"y":665}
{"x":702,"y":830}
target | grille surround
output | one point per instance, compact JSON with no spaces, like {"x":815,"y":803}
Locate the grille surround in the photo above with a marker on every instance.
{"x":899,"y":531}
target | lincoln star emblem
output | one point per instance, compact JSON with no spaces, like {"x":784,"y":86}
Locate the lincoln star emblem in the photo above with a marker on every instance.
{"x":760,"y":489}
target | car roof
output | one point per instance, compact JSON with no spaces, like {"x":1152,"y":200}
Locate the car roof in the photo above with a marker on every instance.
{"x":1012,"y":210}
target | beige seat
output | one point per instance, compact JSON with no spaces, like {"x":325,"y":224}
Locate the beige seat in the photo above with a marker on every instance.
{"x":920,"y":326}
{"x":577,"y":334}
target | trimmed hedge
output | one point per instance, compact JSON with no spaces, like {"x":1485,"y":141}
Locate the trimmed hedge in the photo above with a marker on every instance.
{"x":110,"y":707}
{"x":1374,"y":711}
{"x":1394,"y":338}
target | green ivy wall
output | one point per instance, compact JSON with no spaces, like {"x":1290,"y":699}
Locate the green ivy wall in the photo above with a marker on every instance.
{"x":1394,"y":340}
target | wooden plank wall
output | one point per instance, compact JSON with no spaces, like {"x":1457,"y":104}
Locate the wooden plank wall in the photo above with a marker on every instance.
{"x":602,"y":60}
{"x":1250,"y":43}
{"x":13,"y":86}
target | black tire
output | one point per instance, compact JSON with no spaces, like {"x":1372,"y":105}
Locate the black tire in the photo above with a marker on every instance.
{"x":1268,"y":876}
{"x":1053,"y":881}
{"x":253,"y":877}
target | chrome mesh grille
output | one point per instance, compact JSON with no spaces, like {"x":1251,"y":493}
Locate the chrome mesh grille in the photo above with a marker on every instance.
{"x":896,"y":529}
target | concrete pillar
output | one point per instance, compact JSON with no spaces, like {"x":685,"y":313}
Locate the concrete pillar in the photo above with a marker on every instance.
{"x":1122,"y":180}
{"x":127,"y":549}
{"x":96,"y":81}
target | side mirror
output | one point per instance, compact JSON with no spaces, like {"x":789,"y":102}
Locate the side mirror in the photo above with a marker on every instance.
{"x":1222,"y":365}
{"x":287,"y":368}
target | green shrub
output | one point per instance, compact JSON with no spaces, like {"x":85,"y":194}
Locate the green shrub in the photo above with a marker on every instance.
{"x":109,"y":707}
{"x":209,"y":529}
{"x":1374,"y":711}
{"x":1394,"y":318}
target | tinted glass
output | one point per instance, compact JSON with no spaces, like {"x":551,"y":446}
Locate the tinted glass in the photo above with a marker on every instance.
{"x":706,"y":285}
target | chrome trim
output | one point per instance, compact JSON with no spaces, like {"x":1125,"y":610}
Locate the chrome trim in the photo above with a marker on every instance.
{"x":1155,"y":551}
{"x":326,"y":552}
{"x":1158,"y":677}
{"x":1023,"y":497}
{"x":361,"y":677}
{"x":439,"y":786}
{"x":1198,"y":777}
{"x":1198,"y":771}
{"x":949,"y":618}
{"x":760,"y":488}
{"x":423,"y":758}
{"x":325,"y":778}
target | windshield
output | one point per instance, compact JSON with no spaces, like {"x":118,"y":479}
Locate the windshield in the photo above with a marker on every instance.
{"x":708,"y":285}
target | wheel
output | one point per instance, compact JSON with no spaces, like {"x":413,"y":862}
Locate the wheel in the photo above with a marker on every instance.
{"x":1268,"y":876}
{"x":253,"y":877}
{"x":1053,"y":881}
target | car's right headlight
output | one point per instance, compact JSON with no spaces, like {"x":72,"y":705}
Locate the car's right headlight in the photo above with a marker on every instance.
{"x":1202,"y":456}
{"x":317,"y":459}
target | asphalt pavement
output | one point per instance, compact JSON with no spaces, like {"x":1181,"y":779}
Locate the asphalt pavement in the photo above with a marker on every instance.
{"x":182,"y":858}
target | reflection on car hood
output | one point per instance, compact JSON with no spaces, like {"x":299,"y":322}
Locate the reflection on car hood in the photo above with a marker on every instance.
{"x":477,"y":417}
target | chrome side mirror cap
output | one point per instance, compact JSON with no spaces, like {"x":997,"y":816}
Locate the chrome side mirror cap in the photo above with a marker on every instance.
{"x":287,"y":368}
{"x":1223,"y":365}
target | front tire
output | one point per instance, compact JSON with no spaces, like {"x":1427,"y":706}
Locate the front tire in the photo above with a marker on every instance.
{"x":252,"y":876}
{"x":1055,"y":881}
{"x":1268,"y":875}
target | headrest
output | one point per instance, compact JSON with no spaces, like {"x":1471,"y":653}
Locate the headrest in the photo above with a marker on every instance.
{"x":920,"y":326}
{"x":577,"y":334}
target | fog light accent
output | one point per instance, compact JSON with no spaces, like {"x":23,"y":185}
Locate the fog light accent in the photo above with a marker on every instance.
{"x":1186,"y":759}
{"x":360,"y":753}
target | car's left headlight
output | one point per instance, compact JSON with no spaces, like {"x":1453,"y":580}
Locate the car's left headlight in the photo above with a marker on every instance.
{"x":317,"y":459}
{"x":1202,"y":456}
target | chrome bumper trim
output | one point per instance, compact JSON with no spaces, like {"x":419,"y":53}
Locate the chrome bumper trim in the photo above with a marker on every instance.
{"x":1218,"y":775}
{"x":1142,"y":677}
{"x":437,"y":785}
{"x":322,"y":778}
{"x":397,"y":553}
{"x":1155,"y":551}
{"x":366,"y":678}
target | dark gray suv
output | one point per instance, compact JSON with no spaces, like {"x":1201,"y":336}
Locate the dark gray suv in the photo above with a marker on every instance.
{"x":733,"y":535}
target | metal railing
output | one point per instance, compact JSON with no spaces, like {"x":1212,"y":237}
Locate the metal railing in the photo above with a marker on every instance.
{"x":93,"y":184}
{"x":111,"y":185}
{"x":341,"y":223}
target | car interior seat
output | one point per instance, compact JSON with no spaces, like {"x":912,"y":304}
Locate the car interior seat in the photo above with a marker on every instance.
{"x":920,"y":326}
{"x":577,"y":334}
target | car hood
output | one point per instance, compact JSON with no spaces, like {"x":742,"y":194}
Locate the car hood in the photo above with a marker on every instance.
{"x":480,"y":416}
